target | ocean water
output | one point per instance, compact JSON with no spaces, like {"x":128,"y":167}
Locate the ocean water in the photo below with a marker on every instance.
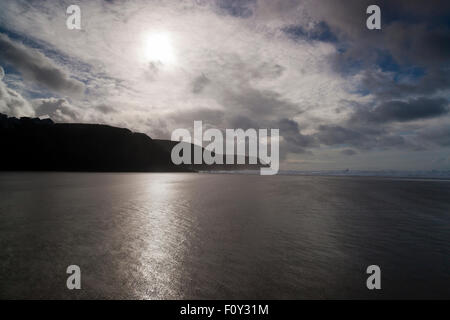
{"x":222,"y":236}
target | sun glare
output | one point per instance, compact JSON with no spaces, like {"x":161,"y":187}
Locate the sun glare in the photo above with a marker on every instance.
{"x":158,"y":48}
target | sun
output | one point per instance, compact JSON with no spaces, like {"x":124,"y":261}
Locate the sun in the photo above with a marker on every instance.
{"x":158,"y":48}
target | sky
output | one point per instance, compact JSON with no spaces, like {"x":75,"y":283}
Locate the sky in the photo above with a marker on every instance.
{"x":342,"y":96}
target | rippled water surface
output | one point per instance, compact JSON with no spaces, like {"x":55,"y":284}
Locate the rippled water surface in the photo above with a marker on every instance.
{"x":208,"y":236}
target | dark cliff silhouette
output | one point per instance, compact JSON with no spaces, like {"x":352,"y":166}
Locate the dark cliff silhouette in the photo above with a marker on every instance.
{"x":32,"y":144}
{"x":168,"y":145}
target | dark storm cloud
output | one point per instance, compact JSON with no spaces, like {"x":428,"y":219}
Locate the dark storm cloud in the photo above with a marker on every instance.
{"x":414,"y":34}
{"x":254,"y":108}
{"x":348,"y":20}
{"x":371,"y":127}
{"x":423,"y":44}
{"x":35,"y":67}
{"x":413,"y":109}
{"x":361,"y":137}
{"x":437,"y":135}
{"x":260,"y":104}
{"x":411,"y":48}
{"x":385,"y":86}
{"x":348,"y":152}
{"x":295,"y":141}
{"x":336,"y":135}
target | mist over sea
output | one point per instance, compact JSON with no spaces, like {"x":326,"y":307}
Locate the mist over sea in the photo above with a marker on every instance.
{"x":222,"y":236}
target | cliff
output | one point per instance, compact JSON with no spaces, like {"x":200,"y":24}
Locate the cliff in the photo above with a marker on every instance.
{"x":32,"y":144}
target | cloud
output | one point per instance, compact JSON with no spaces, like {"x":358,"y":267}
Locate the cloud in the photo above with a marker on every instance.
{"x":236,"y":8}
{"x":11,"y":102}
{"x":413,"y":109}
{"x":430,"y":45}
{"x":35,"y":67}
{"x":387,"y":85}
{"x":336,"y":135}
{"x":348,"y":152}
{"x":310,"y":68}
{"x":200,"y":83}
{"x":294,"y":140}
{"x":437,"y":135}
{"x":317,"y":31}
{"x":60,"y":110}
{"x":361,"y":137}
{"x":187,"y":117}
{"x":106,"y":109}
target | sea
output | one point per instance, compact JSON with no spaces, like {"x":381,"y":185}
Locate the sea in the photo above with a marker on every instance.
{"x":223,"y":236}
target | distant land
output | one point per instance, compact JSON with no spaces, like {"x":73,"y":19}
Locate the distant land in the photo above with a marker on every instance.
{"x":396,"y":174}
{"x":33,"y":144}
{"x":413,"y":174}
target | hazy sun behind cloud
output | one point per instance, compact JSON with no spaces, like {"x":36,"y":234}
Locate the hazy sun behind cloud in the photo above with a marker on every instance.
{"x":158,"y":48}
